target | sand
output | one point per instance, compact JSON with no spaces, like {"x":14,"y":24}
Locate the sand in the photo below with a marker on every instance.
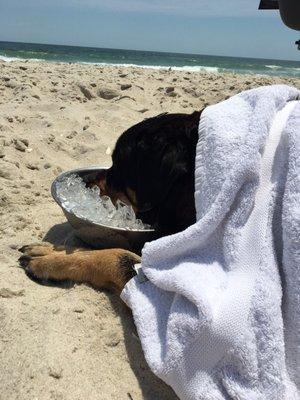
{"x":72,"y":342}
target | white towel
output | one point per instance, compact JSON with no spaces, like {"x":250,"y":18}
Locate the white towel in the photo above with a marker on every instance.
{"x":219,"y":317}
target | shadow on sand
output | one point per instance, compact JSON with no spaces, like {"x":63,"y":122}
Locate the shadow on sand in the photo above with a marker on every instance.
{"x":152,"y":387}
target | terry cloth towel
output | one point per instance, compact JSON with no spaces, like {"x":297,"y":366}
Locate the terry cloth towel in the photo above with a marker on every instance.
{"x":219,"y":317}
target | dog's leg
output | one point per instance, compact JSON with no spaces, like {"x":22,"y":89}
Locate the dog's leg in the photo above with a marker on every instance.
{"x":111,"y":268}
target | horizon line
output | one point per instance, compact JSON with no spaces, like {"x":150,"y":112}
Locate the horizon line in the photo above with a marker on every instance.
{"x":147,"y":51}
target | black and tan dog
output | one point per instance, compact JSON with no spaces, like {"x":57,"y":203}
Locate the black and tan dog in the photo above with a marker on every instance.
{"x":153,"y":170}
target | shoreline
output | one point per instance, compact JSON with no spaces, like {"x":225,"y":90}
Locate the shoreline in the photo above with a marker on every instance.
{"x":192,"y":69}
{"x":149,"y":60}
{"x":186,"y":68}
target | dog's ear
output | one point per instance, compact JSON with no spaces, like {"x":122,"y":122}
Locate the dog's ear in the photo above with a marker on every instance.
{"x":167,"y":159}
{"x":192,"y":124}
{"x":158,"y":172}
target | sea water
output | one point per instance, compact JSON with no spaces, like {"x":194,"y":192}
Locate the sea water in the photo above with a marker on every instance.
{"x":10,"y":51}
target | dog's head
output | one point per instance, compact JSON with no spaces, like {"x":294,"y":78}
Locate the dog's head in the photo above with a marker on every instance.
{"x":153,"y":167}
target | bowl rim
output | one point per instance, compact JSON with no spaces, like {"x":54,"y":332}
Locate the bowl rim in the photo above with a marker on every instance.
{"x":91,"y":168}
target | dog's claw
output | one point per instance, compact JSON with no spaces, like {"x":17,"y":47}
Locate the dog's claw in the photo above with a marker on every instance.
{"x":22,"y":249}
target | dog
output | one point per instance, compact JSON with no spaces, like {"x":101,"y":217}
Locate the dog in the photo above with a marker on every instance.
{"x":153,"y":167}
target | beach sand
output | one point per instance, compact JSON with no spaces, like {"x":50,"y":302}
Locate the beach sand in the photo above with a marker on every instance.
{"x":72,"y":342}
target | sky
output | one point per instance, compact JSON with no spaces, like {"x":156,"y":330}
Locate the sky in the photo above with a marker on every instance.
{"x":220,"y":27}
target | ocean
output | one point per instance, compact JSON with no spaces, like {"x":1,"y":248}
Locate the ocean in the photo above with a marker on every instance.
{"x":10,"y":51}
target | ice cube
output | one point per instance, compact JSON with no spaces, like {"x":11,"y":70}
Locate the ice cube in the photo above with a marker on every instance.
{"x":87,"y":203}
{"x":108,"y":206}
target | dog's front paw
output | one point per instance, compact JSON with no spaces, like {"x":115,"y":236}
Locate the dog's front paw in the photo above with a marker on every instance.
{"x":34,"y":260}
{"x":34,"y":267}
{"x":36,"y":249}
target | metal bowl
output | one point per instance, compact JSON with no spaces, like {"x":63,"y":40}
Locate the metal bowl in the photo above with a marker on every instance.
{"x":98,"y":235}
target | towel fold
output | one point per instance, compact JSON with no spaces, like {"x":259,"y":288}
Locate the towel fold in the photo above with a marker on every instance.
{"x":219,"y":317}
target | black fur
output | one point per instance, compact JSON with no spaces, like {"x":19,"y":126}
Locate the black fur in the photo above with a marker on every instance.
{"x":156,"y":159}
{"x":127,"y":267}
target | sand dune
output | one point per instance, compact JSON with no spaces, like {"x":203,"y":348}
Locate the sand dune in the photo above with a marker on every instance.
{"x":72,"y":342}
